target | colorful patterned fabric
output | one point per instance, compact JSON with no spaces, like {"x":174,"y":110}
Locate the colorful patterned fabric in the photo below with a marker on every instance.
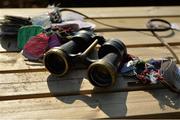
{"x":36,"y":47}
{"x":54,"y":41}
{"x":146,"y":72}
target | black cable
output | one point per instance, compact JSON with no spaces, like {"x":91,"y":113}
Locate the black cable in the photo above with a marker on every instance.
{"x":168,"y":27}
{"x":167,"y":46}
{"x":153,"y":28}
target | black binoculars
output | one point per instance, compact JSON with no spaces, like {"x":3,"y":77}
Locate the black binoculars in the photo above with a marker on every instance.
{"x":102,"y":72}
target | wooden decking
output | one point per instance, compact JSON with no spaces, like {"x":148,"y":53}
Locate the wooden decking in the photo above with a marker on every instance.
{"x":29,"y":91}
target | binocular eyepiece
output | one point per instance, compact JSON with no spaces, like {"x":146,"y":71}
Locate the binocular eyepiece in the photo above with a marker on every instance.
{"x":102,"y":72}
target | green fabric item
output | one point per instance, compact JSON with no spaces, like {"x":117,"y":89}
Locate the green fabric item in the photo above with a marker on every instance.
{"x":27,"y":32}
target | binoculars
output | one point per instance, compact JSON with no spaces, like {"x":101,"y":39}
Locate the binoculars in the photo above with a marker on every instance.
{"x":102,"y":71}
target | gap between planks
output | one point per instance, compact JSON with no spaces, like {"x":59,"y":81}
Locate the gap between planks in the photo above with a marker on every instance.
{"x":37,"y":85}
{"x":104,"y":105}
{"x":14,"y":63}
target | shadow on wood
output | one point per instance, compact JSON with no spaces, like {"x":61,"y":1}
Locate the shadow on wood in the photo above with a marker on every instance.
{"x":96,"y":100}
{"x":166,"y":98}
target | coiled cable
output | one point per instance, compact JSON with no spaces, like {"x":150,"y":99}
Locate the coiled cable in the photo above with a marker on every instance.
{"x":151,"y":27}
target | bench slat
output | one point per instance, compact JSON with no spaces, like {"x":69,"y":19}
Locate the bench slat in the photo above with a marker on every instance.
{"x":114,"y":105}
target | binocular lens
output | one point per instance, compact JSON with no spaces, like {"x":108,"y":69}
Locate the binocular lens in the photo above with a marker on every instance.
{"x":101,"y":75}
{"x":56,"y":63}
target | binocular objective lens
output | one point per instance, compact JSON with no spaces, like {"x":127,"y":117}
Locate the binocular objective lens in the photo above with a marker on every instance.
{"x":55,"y":64}
{"x":100,"y":76}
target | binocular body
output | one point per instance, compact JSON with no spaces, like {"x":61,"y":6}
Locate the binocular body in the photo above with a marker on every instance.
{"x":102,"y":71}
{"x":58,"y":60}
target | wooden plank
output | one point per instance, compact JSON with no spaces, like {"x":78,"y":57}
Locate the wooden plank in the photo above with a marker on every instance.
{"x":132,"y":38}
{"x":131,"y":22}
{"x":130,"y":11}
{"x":141,"y":37}
{"x":14,"y":78}
{"x":14,"y":62}
{"x":35,"y":85}
{"x":151,"y":52}
{"x":104,"y":12}
{"x":113,"y":105}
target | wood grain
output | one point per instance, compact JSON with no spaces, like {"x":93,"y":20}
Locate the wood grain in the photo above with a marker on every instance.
{"x":14,"y":62}
{"x":27,"y":90}
{"x":113,"y":105}
{"x":35,"y":85}
{"x":104,"y":12}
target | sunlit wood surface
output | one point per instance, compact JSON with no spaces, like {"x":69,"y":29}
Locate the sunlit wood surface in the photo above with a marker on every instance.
{"x":29,"y":91}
